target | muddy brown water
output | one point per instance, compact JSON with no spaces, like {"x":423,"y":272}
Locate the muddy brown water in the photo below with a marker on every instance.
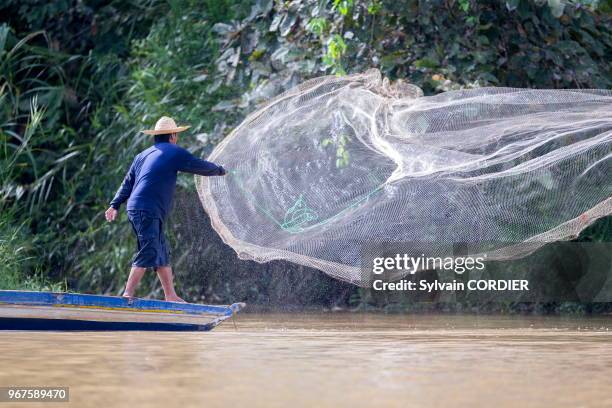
{"x":326,"y":360}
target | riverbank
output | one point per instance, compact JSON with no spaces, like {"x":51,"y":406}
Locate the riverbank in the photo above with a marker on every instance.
{"x":574,"y":309}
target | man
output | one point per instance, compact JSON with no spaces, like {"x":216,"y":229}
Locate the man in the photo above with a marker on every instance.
{"x":148,"y":188}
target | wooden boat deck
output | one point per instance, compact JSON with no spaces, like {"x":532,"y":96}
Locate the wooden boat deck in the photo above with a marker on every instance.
{"x":23,"y":310}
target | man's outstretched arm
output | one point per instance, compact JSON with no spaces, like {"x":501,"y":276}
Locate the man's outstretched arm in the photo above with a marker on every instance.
{"x":192,"y":164}
{"x":122,"y":194}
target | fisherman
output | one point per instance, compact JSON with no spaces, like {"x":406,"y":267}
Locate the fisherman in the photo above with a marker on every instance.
{"x":148,"y":188}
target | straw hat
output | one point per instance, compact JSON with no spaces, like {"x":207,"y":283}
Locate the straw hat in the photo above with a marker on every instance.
{"x":165,"y":125}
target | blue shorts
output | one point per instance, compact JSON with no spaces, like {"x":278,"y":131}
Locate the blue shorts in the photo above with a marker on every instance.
{"x":152,"y":248}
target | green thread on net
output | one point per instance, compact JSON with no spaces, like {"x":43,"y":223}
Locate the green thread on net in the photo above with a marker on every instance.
{"x":299,"y":214}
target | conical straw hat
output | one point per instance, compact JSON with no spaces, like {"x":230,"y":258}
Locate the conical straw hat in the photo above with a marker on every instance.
{"x":165,"y":125}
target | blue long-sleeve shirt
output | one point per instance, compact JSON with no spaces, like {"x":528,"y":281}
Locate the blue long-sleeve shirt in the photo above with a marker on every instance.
{"x":151,"y":180}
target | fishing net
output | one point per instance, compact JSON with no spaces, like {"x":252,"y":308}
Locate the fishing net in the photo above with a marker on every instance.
{"x":340,"y":162}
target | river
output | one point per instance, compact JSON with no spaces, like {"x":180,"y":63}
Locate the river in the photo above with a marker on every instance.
{"x":326,"y":360}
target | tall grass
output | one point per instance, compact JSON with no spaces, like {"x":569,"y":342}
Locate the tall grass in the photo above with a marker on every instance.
{"x":50,"y":171}
{"x":26,"y":181}
{"x":19,"y":268}
{"x":69,"y":128}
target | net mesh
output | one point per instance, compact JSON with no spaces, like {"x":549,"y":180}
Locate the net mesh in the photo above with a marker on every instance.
{"x":340,"y":162}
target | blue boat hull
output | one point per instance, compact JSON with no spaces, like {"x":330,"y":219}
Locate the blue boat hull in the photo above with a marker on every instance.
{"x":9,"y":323}
{"x":22,"y":310}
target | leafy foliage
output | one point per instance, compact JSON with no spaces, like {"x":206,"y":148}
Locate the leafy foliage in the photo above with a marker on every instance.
{"x":52,"y":102}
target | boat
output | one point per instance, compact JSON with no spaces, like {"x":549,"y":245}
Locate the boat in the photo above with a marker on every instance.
{"x":25,"y":310}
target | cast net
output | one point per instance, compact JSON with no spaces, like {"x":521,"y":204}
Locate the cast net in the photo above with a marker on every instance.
{"x":340,"y":162}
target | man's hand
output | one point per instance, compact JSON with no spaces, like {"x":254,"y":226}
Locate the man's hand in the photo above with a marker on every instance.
{"x":110,"y":214}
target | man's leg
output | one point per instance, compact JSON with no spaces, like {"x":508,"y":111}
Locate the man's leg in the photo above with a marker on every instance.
{"x":136,"y":274}
{"x":165,"y":277}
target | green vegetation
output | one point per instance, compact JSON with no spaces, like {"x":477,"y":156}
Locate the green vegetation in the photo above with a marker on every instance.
{"x":79,"y":79}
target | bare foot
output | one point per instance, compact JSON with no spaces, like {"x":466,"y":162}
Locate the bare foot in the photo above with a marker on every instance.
{"x":174,"y":298}
{"x":127,"y":295}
